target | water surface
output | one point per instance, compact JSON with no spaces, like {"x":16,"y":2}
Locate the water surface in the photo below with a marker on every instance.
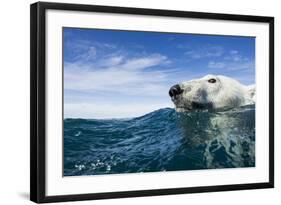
{"x":162,"y":140}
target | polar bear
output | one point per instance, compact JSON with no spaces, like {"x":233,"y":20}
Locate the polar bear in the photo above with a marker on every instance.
{"x":222,"y":129}
{"x":211,"y":92}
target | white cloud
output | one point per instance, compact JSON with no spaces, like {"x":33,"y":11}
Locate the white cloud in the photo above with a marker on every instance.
{"x":233,"y":52}
{"x":233,"y":61}
{"x":115,"y":85}
{"x":127,"y":76}
{"x":249,"y":65}
{"x":108,"y":110}
{"x":144,"y":62}
{"x":235,"y":56}
{"x":205,"y":52}
{"x":85,"y":50}
{"x":232,"y":65}
{"x":213,"y":64}
{"x":111,"y":61}
{"x":90,"y":54}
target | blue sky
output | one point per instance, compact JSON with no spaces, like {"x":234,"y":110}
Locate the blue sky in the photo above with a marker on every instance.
{"x":120,"y":74}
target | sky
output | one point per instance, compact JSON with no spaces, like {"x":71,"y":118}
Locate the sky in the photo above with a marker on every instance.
{"x":122,"y":74}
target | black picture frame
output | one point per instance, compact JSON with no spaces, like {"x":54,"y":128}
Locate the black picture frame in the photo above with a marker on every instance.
{"x":38,"y":101}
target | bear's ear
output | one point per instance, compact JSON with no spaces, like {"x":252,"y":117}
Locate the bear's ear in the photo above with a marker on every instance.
{"x":251,"y":92}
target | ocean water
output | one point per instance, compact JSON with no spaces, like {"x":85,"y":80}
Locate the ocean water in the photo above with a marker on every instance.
{"x":162,"y":140}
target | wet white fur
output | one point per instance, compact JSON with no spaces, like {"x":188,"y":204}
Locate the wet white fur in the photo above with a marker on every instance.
{"x":225,"y":92}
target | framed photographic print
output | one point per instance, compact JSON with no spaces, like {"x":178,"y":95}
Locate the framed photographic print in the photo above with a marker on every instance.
{"x":129,"y":102}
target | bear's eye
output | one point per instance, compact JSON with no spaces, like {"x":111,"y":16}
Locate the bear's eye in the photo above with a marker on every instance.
{"x":212,"y":80}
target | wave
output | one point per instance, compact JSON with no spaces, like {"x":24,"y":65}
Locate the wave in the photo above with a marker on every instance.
{"x":163,"y":140}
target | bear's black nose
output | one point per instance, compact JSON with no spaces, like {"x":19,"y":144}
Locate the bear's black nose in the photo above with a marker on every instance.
{"x":175,"y":90}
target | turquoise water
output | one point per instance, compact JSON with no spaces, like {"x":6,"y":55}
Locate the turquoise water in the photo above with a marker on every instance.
{"x":162,"y":140}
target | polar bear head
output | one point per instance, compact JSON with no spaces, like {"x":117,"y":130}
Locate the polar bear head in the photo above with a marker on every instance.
{"x":211,"y":92}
